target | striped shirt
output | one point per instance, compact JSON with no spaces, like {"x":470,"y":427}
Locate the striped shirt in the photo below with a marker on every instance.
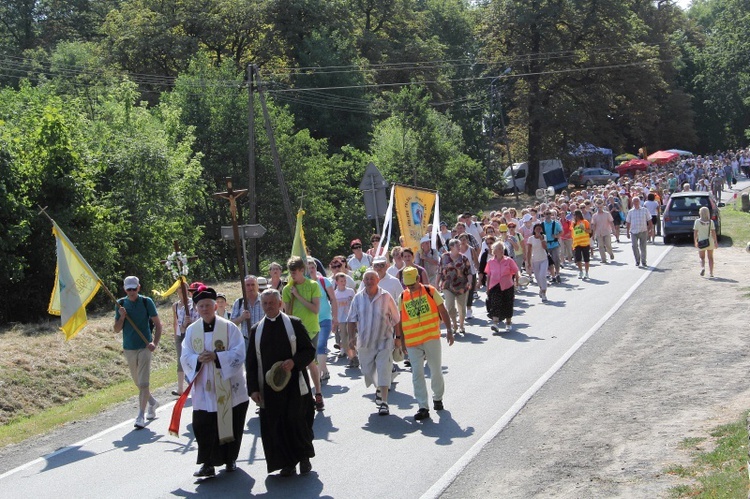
{"x":375,"y":318}
{"x":638,"y":219}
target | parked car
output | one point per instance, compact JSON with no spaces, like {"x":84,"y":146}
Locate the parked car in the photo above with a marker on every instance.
{"x":586,"y":177}
{"x":682,"y":212}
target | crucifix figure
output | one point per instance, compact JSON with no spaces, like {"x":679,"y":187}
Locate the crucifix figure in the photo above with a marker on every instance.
{"x":232,"y":195}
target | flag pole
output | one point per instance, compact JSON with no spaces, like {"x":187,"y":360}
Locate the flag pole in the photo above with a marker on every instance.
{"x":42,"y":211}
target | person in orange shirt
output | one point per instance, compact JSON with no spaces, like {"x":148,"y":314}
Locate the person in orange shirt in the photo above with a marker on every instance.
{"x":581,"y":243}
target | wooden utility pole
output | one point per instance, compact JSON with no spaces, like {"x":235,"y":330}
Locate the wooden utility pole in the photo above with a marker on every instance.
{"x":275,"y":154}
{"x":251,"y":165}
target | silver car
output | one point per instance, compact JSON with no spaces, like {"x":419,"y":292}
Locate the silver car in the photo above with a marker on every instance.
{"x":586,"y":177}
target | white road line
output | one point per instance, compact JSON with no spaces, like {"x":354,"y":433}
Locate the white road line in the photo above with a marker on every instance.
{"x":447,"y":479}
{"x":78,"y":444}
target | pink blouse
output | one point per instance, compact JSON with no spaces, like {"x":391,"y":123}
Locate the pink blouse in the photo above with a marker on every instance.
{"x":500,"y":271}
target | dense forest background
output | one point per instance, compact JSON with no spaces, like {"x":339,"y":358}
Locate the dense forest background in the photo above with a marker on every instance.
{"x":122,"y":117}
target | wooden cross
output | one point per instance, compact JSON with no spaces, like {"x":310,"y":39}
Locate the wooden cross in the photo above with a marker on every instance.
{"x":232,"y":196}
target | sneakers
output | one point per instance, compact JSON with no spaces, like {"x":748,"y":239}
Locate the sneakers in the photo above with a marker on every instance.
{"x":231,"y":467}
{"x":324,"y":376}
{"x":703,"y":271}
{"x":383,"y":410}
{"x":586,"y":276}
{"x":140,"y":423}
{"x":495,"y":329}
{"x":469,"y":315}
{"x":206,"y":471}
{"x":508,"y":328}
{"x":353,"y":363}
{"x":319,"y":405}
{"x":558,"y":280}
{"x":151,"y":412}
{"x":580,"y":274}
{"x":437,"y":405}
{"x":422,"y":414}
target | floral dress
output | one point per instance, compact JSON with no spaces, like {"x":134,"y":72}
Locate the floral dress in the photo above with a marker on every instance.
{"x":456,"y":273}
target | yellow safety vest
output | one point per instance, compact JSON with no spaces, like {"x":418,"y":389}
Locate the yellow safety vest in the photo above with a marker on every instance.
{"x":420,"y":320}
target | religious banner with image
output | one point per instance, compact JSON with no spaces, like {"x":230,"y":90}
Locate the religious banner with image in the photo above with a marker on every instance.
{"x":413,"y":208}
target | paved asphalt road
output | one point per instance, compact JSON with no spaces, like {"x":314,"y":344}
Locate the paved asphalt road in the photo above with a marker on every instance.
{"x":359,"y":454}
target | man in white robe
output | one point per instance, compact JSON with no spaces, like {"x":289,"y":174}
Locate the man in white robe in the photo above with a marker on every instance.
{"x":213,"y":355}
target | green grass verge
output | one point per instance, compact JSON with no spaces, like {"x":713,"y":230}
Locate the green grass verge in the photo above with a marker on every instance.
{"x":720,"y":472}
{"x":79,"y":409}
{"x":735,"y":225}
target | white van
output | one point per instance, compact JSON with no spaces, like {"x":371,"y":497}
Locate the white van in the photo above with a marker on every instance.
{"x":551,"y":174}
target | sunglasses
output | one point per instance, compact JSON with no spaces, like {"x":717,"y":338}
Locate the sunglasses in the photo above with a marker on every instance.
{"x":357,"y":247}
{"x":335,"y":265}
{"x":130,"y":289}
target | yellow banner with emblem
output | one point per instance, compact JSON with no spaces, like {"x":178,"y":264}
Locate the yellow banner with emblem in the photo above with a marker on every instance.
{"x":413,"y":208}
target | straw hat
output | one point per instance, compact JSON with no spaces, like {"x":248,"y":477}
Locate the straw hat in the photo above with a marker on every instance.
{"x":277,"y":378}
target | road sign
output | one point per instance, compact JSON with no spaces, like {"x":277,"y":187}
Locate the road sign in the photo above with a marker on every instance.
{"x":249,"y":231}
{"x":374,"y":188}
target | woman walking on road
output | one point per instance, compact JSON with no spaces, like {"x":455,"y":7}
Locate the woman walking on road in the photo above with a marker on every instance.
{"x":704,"y":238}
{"x":539,"y":262}
{"x":502,"y":276}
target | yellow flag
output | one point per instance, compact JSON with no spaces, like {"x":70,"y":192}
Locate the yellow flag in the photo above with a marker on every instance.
{"x":75,"y":286}
{"x":299,"y":248}
{"x":413,"y":208}
{"x":164,"y":294}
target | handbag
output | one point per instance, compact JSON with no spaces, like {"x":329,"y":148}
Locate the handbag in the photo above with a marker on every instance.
{"x":705,"y":243}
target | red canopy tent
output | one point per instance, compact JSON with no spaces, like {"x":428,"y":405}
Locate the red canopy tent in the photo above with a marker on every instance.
{"x":663,"y":157}
{"x":634,"y":165}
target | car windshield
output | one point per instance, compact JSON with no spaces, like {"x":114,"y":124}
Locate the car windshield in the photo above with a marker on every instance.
{"x":689,"y":203}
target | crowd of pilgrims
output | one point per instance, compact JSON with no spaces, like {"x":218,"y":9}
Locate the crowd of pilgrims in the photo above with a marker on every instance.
{"x":493,"y":257}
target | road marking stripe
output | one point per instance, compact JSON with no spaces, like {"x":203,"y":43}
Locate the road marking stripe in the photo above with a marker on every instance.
{"x":450,"y":476}
{"x":78,"y":444}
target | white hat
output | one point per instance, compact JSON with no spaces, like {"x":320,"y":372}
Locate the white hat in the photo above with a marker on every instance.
{"x":526,"y":218}
{"x":131,"y":282}
{"x":425,"y":239}
{"x":379,"y":259}
{"x":262,"y":283}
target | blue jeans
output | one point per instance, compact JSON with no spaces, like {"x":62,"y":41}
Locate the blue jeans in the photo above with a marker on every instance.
{"x":323,"y":335}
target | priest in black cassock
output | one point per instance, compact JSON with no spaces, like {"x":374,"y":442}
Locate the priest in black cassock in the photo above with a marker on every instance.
{"x":286,"y":415}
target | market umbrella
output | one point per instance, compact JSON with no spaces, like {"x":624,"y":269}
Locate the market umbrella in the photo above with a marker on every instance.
{"x":634,"y":165}
{"x":663,"y":157}
{"x":680,"y":152}
{"x":625,"y":157}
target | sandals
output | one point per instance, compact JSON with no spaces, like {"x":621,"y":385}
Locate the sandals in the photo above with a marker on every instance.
{"x":383,"y":411}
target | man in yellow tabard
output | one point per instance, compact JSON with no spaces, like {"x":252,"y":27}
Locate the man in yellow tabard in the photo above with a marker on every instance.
{"x":421,"y":308}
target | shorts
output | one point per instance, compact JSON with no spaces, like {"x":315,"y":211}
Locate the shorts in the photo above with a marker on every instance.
{"x":178,"y":346}
{"x":582,"y":253}
{"x":347,"y":340}
{"x":323,"y":335}
{"x":139,"y":362}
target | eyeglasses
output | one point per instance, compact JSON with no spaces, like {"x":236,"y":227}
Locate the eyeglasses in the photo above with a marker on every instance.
{"x":335,"y":265}
{"x":378,"y":265}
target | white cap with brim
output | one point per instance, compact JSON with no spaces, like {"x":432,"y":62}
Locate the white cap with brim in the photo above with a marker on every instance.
{"x":277,"y":378}
{"x":131,"y":282}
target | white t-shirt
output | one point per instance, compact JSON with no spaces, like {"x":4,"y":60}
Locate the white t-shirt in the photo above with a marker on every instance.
{"x":344,"y":300}
{"x":652,"y":207}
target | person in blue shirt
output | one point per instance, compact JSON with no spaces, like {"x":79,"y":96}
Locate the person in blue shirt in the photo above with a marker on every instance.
{"x":142,"y":312}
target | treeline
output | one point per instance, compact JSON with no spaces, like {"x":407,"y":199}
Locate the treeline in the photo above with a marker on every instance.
{"x":122,"y":117}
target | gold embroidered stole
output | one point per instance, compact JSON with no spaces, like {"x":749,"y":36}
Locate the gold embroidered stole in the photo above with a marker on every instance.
{"x":221,"y":386}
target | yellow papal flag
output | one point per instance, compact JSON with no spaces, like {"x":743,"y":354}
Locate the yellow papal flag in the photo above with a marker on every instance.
{"x":76,"y":285}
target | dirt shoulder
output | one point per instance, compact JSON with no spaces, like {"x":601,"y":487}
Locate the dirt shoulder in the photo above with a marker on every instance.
{"x":672,"y":363}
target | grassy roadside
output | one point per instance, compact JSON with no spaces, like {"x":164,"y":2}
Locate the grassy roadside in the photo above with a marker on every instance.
{"x":46,"y":381}
{"x":87,"y":406}
{"x":719,"y":464}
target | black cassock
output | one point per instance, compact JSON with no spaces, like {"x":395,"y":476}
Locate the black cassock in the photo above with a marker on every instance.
{"x":287,"y":418}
